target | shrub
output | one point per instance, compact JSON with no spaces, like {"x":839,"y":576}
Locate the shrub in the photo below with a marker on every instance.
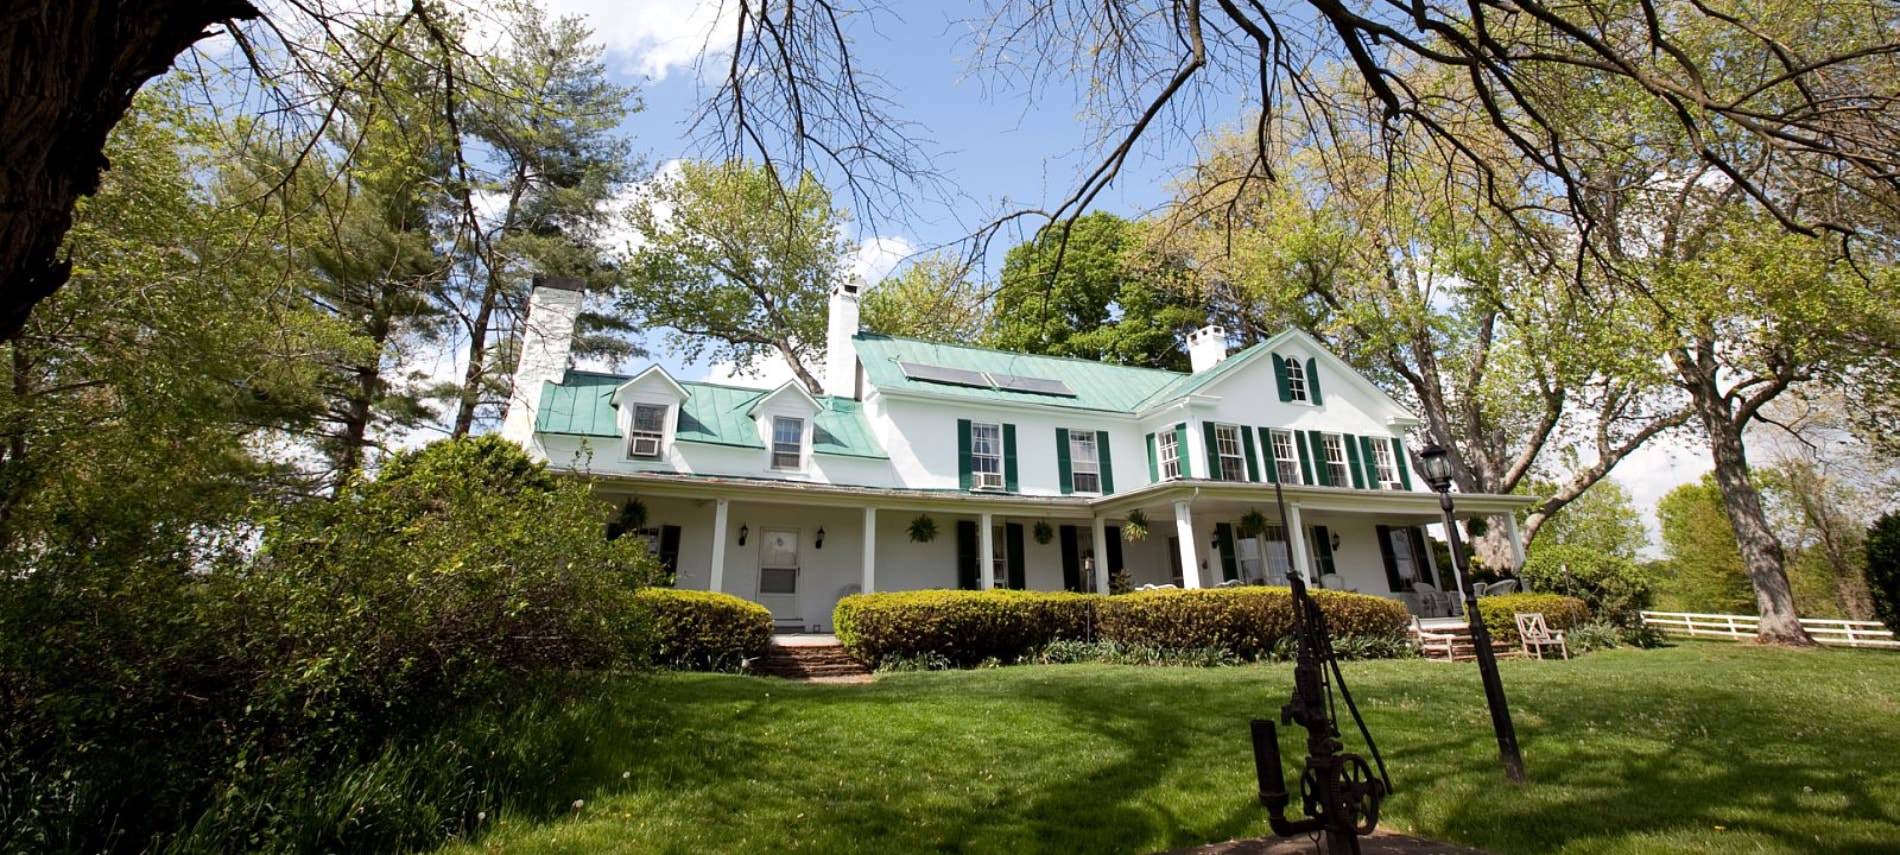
{"x":1883,"y":568}
{"x":965,"y":627}
{"x":1614,"y":588}
{"x":1246,"y":622}
{"x":1595,"y":635}
{"x":705,"y":630}
{"x":1500,"y":612}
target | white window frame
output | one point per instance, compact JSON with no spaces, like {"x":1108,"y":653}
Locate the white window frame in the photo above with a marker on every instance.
{"x":986,"y":468}
{"x":1288,"y":467}
{"x":1339,"y":472}
{"x":1386,"y":465}
{"x":1168,"y":453}
{"x":637,"y":437}
{"x":1233,"y":464}
{"x":1089,"y":464}
{"x":796,"y":452}
{"x":1295,"y":380}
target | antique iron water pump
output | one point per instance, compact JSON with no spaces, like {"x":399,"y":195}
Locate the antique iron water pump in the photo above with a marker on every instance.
{"x":1339,"y":792}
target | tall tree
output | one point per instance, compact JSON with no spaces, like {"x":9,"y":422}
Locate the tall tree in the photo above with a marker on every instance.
{"x":1088,"y":294}
{"x":538,"y":160}
{"x":932,"y":298}
{"x":1602,"y":520}
{"x":736,"y":265}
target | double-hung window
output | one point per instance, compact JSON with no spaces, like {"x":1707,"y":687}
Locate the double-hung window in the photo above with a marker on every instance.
{"x":986,"y":456}
{"x":1169,"y":445}
{"x":1339,"y":475}
{"x":1295,"y":380}
{"x":649,"y":431}
{"x":1286,"y":457}
{"x":1386,"y":464}
{"x":1233,"y":459}
{"x":788,"y":443}
{"x":1085,"y":463}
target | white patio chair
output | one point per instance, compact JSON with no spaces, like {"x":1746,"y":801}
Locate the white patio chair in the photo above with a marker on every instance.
{"x":1231,"y":583}
{"x":1431,"y":601}
{"x":1508,"y":586}
{"x":1534,"y":635}
{"x":1335,"y":582}
{"x":1434,"y":645}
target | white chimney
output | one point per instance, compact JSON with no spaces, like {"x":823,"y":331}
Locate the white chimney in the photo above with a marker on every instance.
{"x":554,"y":307}
{"x":1207,"y":347}
{"x":841,"y":358}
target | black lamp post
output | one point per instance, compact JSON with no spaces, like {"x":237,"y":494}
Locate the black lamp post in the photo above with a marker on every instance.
{"x":1436,"y":467}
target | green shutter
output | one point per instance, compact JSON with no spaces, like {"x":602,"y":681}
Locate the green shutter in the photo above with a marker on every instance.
{"x":1229,"y":562}
{"x":966,"y":556}
{"x":963,"y":454}
{"x":1392,"y":578}
{"x":1398,"y":459}
{"x":1352,"y":460}
{"x":1320,"y":467}
{"x":1102,"y":462}
{"x":1154,"y":461}
{"x":1371,"y":457}
{"x":1210,"y":433}
{"x":1323,"y":544}
{"x":1065,"y":475}
{"x":1009,"y":458}
{"x":1266,"y":448}
{"x":1071,"y":559}
{"x":1253,"y":460}
{"x":1312,"y":384}
{"x":1013,"y":560}
{"x":1279,"y":378}
{"x":1181,"y":450}
{"x":1306,"y":461}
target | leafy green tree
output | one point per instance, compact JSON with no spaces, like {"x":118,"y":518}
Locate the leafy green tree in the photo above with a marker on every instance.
{"x":1091,"y":296}
{"x":1883,"y":568}
{"x":1705,"y":565}
{"x":736,"y":265}
{"x":933,"y":298}
{"x":1615,"y":587}
{"x":1602,"y":520}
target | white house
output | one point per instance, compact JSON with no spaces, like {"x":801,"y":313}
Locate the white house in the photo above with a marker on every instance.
{"x":795,"y":500}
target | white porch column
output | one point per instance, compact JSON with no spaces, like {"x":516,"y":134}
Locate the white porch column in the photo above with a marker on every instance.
{"x":869,"y":584}
{"x":717,"y":580}
{"x":985,"y":552}
{"x":1517,"y":541}
{"x":1296,"y":541}
{"x":1101,"y":555}
{"x":1184,"y":531}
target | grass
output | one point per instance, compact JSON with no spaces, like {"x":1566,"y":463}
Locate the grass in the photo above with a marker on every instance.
{"x":1696,"y":748}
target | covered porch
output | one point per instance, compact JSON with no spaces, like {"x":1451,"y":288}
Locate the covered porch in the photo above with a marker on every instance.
{"x":799,"y":548}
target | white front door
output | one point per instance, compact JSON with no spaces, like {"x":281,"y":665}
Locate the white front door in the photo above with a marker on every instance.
{"x":778,"y":574}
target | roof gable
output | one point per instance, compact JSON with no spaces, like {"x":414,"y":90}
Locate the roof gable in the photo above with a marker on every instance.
{"x":790,"y":392}
{"x":654,"y":377}
{"x":1207,"y":381}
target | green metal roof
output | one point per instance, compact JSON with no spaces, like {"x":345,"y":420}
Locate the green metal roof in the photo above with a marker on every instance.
{"x":712,"y":413}
{"x":1097,"y":385}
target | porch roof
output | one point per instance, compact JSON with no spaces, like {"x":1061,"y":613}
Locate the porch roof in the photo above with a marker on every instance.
{"x":1327,"y":499}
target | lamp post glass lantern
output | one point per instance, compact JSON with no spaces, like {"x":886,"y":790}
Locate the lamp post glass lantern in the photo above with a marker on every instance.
{"x":1435,"y":465}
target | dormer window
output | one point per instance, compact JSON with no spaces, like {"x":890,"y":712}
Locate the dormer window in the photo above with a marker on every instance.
{"x":788,"y":443}
{"x":648,"y":434}
{"x":1295,"y":380}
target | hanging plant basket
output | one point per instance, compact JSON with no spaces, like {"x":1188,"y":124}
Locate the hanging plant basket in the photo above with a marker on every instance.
{"x":1252,"y":524}
{"x":1135,"y":528}
{"x":923,"y":529}
{"x":1044,"y":532}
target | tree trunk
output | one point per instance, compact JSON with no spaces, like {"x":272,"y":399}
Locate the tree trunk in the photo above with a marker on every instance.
{"x":477,"y":362}
{"x":1762,"y":556}
{"x":68,"y":71}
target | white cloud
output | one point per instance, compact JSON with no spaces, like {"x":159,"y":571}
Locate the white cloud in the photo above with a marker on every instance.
{"x":656,"y":36}
{"x":878,"y":256}
{"x":1651,"y":471}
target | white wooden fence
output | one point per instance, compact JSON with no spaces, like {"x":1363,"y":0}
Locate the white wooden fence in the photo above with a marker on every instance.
{"x":1845,"y":633}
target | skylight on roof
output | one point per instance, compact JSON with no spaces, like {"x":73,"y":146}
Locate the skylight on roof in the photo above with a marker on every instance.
{"x":982,"y":380}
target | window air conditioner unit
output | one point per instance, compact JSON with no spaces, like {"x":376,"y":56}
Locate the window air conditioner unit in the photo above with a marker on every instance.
{"x":989,"y":481}
{"x":646,"y":446}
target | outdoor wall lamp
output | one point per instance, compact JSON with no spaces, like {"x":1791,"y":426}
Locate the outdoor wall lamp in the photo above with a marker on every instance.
{"x":1335,"y":541}
{"x":742,"y":533}
{"x":1434,"y":462}
{"x":819,"y":541}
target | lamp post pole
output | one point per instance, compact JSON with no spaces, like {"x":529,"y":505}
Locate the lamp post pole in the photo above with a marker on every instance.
{"x":1438,"y":475}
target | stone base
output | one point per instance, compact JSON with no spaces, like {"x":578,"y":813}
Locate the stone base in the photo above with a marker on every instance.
{"x":1379,"y":843}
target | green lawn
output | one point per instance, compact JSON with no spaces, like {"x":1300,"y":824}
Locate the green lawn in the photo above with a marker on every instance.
{"x":1698,"y":748}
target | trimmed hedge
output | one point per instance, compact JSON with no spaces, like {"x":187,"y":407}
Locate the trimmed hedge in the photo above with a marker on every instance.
{"x":1500,"y":612}
{"x":1246,"y":622}
{"x":964,"y":627}
{"x":705,"y":631}
{"x":968,"y":627}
